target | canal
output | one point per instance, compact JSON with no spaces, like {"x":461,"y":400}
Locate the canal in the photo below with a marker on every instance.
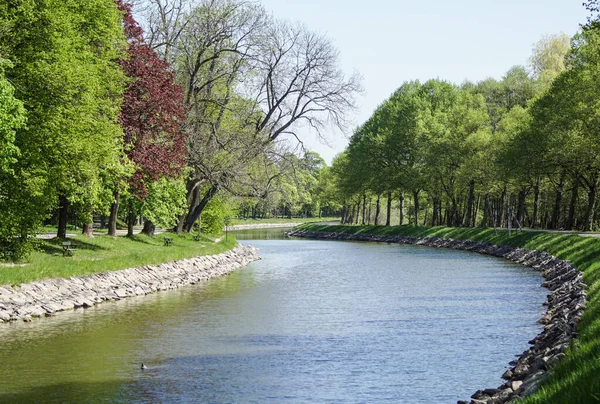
{"x":313,"y":321}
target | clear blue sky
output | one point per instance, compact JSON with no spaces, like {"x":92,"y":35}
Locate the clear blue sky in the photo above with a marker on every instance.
{"x":390,"y":42}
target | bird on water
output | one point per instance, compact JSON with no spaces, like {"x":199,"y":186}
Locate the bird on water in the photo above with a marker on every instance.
{"x":143,"y":367}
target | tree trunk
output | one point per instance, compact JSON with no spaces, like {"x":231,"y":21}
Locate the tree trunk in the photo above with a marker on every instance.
{"x":377,"y":209}
{"x":88,"y":230}
{"x":486,"y":211}
{"x":434,"y":216}
{"x":470,"y":203}
{"x":63,"y":209}
{"x":195,"y":213}
{"x":416,"y":203}
{"x":573,"y":204}
{"x":130,"y":219}
{"x":536,"y":203}
{"x":193,"y":199}
{"x":592,"y":200}
{"x":389,"y":209}
{"x":369,"y":211}
{"x":503,"y":208}
{"x":521,"y":206}
{"x":112,"y":219}
{"x":401,"y":208}
{"x":149,"y":228}
{"x":364,"y":212}
{"x":555,"y":223}
{"x":476,"y":211}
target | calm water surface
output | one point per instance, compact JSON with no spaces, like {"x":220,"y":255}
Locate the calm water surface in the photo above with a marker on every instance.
{"x":314,"y":321}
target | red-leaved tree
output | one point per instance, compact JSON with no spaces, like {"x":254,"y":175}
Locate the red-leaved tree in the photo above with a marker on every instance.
{"x":151,"y":117}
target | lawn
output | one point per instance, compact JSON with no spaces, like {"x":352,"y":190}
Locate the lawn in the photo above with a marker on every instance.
{"x":104,"y":253}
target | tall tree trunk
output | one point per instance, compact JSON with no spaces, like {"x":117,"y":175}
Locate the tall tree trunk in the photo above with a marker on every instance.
{"x":476,"y":211}
{"x":573,"y":203}
{"x":590,"y":214}
{"x":88,"y":230}
{"x":195,"y":213}
{"x":416,"y":203}
{"x":192,"y":190}
{"x":486,"y":211}
{"x":131,"y":216}
{"x":470,"y":203}
{"x":369,"y":211}
{"x":555,"y":223}
{"x":389,"y":209}
{"x":364,"y":212}
{"x":503,"y":208}
{"x":401,"y":208}
{"x":114,"y":211}
{"x":193,"y":199}
{"x":536,"y":203}
{"x":521,"y":205}
{"x":434,"y":216}
{"x":63,"y":210}
{"x":377,"y":209}
{"x":149,"y":228}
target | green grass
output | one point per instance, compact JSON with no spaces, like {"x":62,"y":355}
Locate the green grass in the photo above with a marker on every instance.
{"x":234,"y":222}
{"x":576,"y":379}
{"x":103,"y":253}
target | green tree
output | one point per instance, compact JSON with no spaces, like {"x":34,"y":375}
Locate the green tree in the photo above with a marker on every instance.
{"x":64,"y":69}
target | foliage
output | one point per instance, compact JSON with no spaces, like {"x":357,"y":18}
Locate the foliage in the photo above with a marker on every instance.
{"x":164,"y":202}
{"x":63,"y":66}
{"x":152,"y":114}
{"x":217,"y":213}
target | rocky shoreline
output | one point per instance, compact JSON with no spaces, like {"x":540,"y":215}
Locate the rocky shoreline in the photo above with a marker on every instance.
{"x":565,"y":305}
{"x":45,"y":298}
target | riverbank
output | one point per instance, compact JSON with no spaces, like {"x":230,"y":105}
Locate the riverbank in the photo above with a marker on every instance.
{"x":105,"y":253}
{"x":573,"y":365}
{"x":47,"y":297}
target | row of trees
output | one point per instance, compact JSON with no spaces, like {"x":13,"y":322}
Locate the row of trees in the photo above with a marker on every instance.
{"x":98,"y":118}
{"x":523,"y":150}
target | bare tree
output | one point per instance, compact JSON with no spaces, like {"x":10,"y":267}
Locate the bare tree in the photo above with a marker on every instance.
{"x":248,"y":79}
{"x":299,"y":81}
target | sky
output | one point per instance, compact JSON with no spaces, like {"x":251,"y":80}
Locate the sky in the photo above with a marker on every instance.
{"x":389,"y":42}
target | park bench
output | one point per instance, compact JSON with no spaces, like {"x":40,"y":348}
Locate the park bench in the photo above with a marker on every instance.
{"x":168,"y":241}
{"x":68,"y":248}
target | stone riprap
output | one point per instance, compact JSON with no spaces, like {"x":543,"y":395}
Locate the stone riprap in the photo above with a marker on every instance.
{"x":251,"y":226}
{"x":50,"y":296}
{"x":565,"y":305}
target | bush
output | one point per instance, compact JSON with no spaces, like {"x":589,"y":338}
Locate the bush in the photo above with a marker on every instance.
{"x":15,"y":248}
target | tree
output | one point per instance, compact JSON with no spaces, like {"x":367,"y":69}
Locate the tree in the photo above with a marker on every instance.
{"x":248,"y":80}
{"x":65,"y":73}
{"x":152,"y":116}
{"x":548,"y":58}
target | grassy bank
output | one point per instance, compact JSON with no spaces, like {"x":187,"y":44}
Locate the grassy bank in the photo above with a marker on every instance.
{"x":576,"y":379}
{"x":103,"y":253}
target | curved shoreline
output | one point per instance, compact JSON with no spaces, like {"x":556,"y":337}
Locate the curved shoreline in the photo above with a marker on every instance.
{"x":565,"y":303}
{"x":45,"y":298}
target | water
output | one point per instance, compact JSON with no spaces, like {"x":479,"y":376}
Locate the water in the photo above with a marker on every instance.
{"x":314,"y":321}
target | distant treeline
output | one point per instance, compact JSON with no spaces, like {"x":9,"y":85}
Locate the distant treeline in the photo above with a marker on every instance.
{"x":524,"y":149}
